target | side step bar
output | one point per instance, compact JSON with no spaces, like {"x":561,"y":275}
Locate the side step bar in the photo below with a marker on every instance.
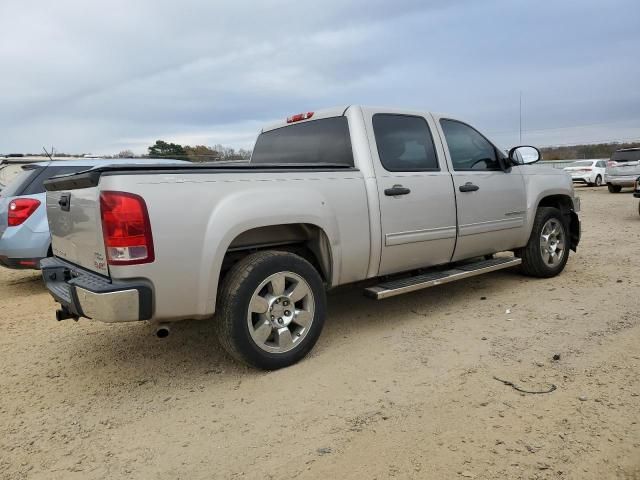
{"x":426,"y":280}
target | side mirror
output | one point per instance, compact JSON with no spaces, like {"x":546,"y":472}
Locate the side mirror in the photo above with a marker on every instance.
{"x":524,"y":155}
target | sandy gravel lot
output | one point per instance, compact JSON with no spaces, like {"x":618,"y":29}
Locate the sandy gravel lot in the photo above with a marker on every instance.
{"x":401,"y":388}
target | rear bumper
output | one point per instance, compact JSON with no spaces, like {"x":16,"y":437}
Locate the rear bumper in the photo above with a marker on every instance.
{"x":587,"y":178}
{"x":20,"y":263}
{"x":85,"y":294}
{"x":622,"y":180}
{"x":24,"y":243}
{"x":580,"y":180}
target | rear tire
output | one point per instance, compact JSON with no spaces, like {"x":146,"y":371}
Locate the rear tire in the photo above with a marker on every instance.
{"x":614,"y":188}
{"x":547,"y":251}
{"x":271,"y":309}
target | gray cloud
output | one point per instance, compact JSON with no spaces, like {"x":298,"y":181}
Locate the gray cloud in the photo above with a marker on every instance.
{"x":88,"y":77}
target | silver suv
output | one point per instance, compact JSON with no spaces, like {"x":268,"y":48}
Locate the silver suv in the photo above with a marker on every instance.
{"x":622,"y":169}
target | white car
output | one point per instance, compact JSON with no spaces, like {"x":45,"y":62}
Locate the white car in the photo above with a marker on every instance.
{"x":590,"y":172}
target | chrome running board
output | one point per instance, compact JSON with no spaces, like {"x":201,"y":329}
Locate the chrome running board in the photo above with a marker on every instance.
{"x":431,"y":279}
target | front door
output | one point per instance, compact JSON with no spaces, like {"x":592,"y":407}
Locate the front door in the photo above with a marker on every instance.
{"x":491,"y":201}
{"x":417,"y":207}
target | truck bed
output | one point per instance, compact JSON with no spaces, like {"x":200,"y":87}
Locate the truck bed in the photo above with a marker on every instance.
{"x":91,"y":178}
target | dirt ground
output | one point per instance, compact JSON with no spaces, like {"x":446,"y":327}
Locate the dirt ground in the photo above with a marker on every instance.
{"x":400,"y":388}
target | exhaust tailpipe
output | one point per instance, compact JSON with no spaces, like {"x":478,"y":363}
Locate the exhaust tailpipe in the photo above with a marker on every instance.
{"x":163,"y":331}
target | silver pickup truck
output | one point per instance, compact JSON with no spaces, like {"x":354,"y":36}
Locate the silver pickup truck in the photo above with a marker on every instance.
{"x":401,"y":200}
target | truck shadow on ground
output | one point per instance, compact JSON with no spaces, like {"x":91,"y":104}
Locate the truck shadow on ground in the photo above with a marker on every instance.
{"x":193,"y":349}
{"x":24,"y":285}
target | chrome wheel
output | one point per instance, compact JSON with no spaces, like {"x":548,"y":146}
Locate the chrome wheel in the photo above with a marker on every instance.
{"x":280,"y":312}
{"x":598,"y":181}
{"x":552,"y":242}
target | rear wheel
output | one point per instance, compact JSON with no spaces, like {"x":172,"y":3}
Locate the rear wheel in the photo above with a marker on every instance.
{"x":614,"y":188}
{"x":271,"y":309}
{"x":598,"y":181}
{"x":547,"y":251}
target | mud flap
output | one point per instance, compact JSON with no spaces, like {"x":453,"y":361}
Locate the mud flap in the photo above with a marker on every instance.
{"x":574,"y":230}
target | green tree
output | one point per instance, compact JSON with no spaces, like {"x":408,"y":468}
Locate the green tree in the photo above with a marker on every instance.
{"x":162,"y":149}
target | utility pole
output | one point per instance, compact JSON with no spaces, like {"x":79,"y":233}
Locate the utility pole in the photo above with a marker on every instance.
{"x":520,"y":117}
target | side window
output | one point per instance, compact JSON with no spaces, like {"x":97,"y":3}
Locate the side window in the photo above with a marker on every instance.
{"x":404,"y":143}
{"x":468,"y":149}
{"x":601,"y":164}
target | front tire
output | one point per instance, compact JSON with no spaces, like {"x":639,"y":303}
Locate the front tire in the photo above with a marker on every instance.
{"x":547,"y":251}
{"x":598,"y":181}
{"x":271,"y":309}
{"x":614,"y":188}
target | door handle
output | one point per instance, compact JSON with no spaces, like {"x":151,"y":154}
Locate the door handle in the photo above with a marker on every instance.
{"x":65,"y":202}
{"x":468,"y":187}
{"x":397,"y":190}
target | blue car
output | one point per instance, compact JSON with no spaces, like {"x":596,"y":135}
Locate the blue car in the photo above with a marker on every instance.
{"x":24,"y":230}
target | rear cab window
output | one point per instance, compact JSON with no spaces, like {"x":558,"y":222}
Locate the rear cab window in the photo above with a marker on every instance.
{"x":313,"y":142}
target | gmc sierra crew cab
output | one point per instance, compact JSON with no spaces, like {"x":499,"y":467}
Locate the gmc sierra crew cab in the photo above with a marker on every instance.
{"x":398,"y":200}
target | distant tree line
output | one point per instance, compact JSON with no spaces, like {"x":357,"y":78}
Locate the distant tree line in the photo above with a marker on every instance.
{"x":597,"y":150}
{"x":197,"y":153}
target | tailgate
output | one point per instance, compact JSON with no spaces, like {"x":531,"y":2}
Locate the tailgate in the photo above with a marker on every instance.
{"x":76,"y":228}
{"x":624,"y":168}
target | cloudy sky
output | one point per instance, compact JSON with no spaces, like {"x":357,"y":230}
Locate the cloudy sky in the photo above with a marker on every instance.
{"x":104,"y":76}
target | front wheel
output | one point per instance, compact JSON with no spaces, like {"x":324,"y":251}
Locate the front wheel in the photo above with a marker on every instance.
{"x":547,"y":251}
{"x":271,"y":309}
{"x":614,"y":188}
{"x":598,"y":181}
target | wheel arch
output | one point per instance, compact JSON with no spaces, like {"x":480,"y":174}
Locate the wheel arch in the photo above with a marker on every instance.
{"x":564,"y":203}
{"x":308,"y":240}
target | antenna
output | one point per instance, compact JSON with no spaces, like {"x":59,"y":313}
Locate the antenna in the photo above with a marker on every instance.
{"x":45,"y":151}
{"x":520,"y":117}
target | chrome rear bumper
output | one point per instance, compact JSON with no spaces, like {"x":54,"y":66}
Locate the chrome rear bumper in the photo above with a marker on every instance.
{"x":84,"y":294}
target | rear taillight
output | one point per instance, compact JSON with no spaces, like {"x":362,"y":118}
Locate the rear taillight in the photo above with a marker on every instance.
{"x":20,"y":209}
{"x":612,"y":163}
{"x":126,"y":229}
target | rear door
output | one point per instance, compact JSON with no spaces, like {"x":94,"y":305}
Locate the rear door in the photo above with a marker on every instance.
{"x":415,"y":191}
{"x":491,"y":201}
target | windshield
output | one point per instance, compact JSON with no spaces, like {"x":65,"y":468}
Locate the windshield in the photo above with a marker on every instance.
{"x":582,"y":163}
